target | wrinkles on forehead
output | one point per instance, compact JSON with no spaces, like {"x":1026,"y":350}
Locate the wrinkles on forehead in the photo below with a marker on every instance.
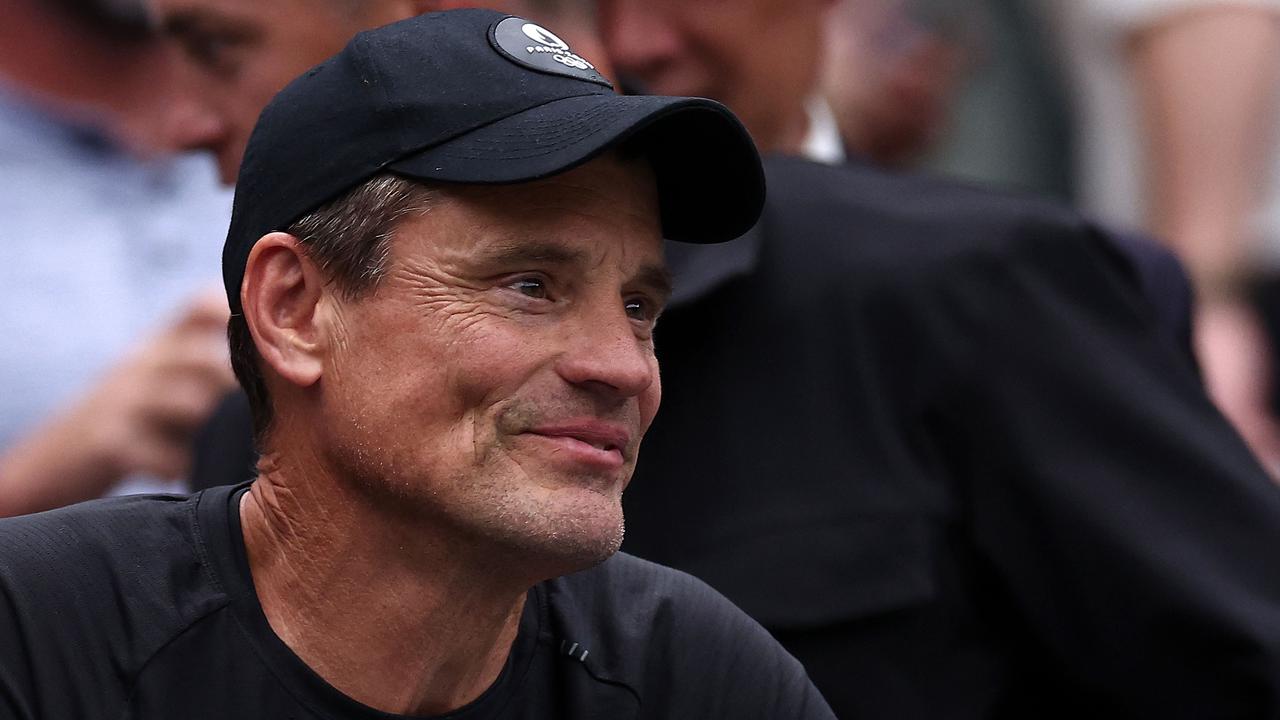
{"x":597,"y":221}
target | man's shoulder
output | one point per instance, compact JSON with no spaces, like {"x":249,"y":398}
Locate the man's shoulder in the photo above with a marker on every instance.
{"x":856,"y":185}
{"x":117,"y":559}
{"x":88,"y":595}
{"x":914,"y":235}
{"x":865,"y":211}
{"x":98,"y":534}
{"x":652,"y":628}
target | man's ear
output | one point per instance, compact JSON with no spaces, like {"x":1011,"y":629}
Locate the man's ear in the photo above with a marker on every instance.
{"x":281,"y":295}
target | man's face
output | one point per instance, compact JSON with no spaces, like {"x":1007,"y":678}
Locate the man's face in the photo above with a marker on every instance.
{"x":243,"y":52}
{"x":496,"y":383}
{"x":759,"y":57}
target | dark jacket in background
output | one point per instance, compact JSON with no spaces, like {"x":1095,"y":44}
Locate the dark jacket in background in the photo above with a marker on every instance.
{"x":934,"y":439}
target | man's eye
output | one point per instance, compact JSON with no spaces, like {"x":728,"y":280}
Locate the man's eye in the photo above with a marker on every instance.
{"x":530,"y":287}
{"x":641,"y":309}
{"x":210,"y":51}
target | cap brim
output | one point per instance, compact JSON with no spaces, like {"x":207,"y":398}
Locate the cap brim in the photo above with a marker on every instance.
{"x":710,"y":182}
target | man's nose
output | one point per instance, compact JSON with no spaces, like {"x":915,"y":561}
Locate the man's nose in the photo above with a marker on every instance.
{"x":605,"y":355}
{"x":639,"y":39}
{"x":191,"y":122}
{"x":191,"y":125}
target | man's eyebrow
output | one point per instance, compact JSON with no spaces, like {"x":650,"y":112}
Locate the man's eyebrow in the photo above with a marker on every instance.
{"x":516,"y":252}
{"x":182,"y":22}
{"x":187,"y":21}
{"x":657,"y":279}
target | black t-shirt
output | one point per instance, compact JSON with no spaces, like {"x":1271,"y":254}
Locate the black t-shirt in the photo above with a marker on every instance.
{"x":144,"y":608}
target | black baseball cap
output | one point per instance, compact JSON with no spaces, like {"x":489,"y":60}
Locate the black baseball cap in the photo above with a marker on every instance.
{"x":479,"y":97}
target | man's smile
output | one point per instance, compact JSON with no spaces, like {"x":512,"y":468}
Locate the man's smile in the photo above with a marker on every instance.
{"x":587,"y":441}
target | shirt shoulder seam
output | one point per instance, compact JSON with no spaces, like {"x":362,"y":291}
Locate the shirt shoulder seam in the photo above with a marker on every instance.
{"x":142,"y":669}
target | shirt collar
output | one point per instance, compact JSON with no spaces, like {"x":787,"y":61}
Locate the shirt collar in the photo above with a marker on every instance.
{"x":822,"y":142}
{"x":30,"y":122}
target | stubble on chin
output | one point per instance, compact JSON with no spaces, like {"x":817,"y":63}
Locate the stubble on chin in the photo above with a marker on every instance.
{"x":500,"y":503}
{"x":562,"y":524}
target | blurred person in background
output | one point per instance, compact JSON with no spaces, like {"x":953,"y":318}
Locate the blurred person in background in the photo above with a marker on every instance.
{"x":968,"y":90}
{"x":962,"y":88}
{"x":890,"y":75}
{"x":931,"y":436}
{"x":1176,"y":111}
{"x":112,"y":354}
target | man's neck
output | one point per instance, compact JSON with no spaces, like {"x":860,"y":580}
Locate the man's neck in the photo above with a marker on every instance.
{"x":822,"y":142}
{"x":810,"y":132}
{"x":388,"y":618}
{"x":789,"y":136}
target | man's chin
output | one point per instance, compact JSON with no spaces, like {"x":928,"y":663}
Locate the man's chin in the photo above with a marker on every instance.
{"x":568,"y":541}
{"x":588,"y":555}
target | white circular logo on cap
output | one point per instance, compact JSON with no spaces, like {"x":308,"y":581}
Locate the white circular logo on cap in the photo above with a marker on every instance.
{"x":537,"y":48}
{"x":543,"y":36}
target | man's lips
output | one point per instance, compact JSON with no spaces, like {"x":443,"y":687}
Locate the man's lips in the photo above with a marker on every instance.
{"x":594,"y":442}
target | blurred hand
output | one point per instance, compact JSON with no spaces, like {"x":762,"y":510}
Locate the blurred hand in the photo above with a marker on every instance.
{"x":143,"y":414}
{"x":139,"y":419}
{"x":1234,"y":356}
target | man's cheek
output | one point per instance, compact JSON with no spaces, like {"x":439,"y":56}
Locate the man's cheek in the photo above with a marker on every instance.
{"x":650,"y":401}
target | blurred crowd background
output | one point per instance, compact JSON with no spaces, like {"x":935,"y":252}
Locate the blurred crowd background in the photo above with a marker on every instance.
{"x":1151,"y":115}
{"x":1155,"y":116}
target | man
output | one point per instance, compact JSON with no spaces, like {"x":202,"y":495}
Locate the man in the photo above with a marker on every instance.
{"x":444,"y":268}
{"x":113,"y":353}
{"x":942,"y":452}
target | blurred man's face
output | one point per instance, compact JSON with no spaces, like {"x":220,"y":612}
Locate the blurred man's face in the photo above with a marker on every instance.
{"x":243,"y":52}
{"x":890,"y":76}
{"x":759,"y":57}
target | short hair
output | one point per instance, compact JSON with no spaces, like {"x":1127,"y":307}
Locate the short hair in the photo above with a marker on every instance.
{"x":349,"y":239}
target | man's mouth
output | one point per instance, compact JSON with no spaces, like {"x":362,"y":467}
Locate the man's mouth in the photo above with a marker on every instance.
{"x":588,"y":441}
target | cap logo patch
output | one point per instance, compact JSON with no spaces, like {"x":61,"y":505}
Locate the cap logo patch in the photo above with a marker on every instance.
{"x":536,"y":47}
{"x":545,"y":37}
